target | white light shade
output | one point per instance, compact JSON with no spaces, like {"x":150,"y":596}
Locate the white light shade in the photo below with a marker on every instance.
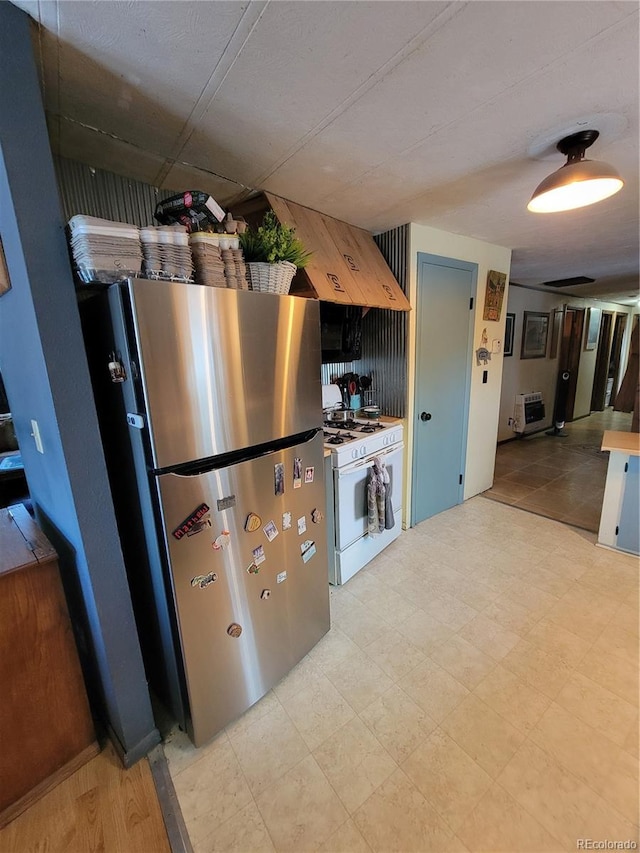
{"x":576,"y":184}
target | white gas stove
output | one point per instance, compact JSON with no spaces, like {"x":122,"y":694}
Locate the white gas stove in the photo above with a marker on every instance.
{"x":354,"y":445}
{"x":357,"y":439}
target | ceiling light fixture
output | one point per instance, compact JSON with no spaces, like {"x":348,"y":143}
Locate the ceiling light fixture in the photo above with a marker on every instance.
{"x":579,"y":182}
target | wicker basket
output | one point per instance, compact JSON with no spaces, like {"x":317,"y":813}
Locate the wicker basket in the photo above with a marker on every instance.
{"x":271,"y":278}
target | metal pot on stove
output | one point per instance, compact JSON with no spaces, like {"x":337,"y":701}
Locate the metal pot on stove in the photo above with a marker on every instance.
{"x":339,"y":416}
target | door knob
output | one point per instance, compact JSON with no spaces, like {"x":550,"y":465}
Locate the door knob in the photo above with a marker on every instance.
{"x":425,"y":416}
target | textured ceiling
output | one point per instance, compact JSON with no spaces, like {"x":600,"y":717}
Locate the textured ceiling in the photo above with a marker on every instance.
{"x":378,"y":113}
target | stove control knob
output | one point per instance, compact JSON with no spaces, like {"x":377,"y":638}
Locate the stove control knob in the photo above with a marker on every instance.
{"x":354,"y":453}
{"x":363,"y":451}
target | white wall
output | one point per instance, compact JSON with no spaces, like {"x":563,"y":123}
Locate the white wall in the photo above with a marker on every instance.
{"x":484,"y":400}
{"x":540,"y":374}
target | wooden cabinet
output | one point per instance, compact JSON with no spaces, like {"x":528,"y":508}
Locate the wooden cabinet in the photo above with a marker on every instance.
{"x":46,"y":730}
{"x":620,"y":518}
{"x":346,"y":266}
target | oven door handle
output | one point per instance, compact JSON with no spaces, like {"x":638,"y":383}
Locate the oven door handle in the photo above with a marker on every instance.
{"x":367,"y":461}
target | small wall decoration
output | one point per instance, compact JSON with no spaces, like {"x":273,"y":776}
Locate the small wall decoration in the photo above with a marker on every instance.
{"x":593,"y":328}
{"x":509,"y":328}
{"x":483,"y":356}
{"x":5,"y":283}
{"x":556,"y":330}
{"x":535,"y":329}
{"x":494,"y":294}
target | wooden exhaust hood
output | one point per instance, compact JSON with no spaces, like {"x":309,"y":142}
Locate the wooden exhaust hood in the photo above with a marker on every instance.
{"x":346,"y":265}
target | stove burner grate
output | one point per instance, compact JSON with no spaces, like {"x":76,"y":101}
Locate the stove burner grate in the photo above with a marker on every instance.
{"x":350,"y":424}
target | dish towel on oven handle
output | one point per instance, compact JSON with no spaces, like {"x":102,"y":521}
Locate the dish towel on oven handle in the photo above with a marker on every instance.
{"x":379,"y":508}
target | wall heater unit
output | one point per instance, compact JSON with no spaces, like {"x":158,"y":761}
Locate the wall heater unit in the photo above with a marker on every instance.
{"x":528,"y":412}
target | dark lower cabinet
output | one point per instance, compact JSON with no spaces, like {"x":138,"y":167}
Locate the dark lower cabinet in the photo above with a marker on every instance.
{"x":46,"y":730}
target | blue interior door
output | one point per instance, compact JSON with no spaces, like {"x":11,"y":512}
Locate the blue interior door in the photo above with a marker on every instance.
{"x":444,"y":339}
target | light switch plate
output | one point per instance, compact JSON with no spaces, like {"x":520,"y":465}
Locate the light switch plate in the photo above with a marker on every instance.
{"x":35,"y":432}
{"x":496,"y":345}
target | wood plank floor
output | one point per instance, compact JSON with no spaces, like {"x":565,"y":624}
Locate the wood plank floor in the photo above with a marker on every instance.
{"x":101,"y":807}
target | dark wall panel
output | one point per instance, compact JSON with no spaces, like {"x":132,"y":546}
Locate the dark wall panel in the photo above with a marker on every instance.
{"x":95,"y":192}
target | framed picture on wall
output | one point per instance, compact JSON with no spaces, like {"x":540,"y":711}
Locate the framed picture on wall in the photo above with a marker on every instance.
{"x":594,"y":315}
{"x":535,"y":330}
{"x":494,"y":294}
{"x":509,"y":327}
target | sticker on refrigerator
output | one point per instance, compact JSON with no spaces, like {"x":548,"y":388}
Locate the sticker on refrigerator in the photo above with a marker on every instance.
{"x":222,"y":541}
{"x":297,"y":473}
{"x":270,"y":531}
{"x":281,"y":576}
{"x":234,"y":630}
{"x":302,"y":525}
{"x":316,"y":515}
{"x":196,"y":516}
{"x":308,"y":549}
{"x":252,"y":523}
{"x":258,"y":555}
{"x":286,"y":520}
{"x":116,"y":368}
{"x":199,"y":526}
{"x":203,"y":581}
{"x":278,"y":478}
{"x":308,"y":474}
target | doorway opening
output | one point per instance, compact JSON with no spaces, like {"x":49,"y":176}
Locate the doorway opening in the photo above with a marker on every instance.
{"x":570,"y":351}
{"x":13,"y":483}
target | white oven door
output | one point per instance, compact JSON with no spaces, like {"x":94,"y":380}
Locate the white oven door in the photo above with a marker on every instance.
{"x":350,"y":489}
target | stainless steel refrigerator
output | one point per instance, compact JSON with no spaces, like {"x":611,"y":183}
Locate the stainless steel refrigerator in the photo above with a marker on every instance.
{"x":210,"y":410}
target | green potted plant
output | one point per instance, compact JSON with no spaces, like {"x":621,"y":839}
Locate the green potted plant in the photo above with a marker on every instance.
{"x":272,"y":254}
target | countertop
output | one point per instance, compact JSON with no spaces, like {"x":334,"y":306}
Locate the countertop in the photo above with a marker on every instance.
{"x":623,"y":442}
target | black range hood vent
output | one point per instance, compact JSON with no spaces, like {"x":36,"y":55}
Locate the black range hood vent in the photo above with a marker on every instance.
{"x":569,"y":282}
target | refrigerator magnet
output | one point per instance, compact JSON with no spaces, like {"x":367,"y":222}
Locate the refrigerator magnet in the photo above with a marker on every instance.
{"x":258,"y":555}
{"x":266,"y":593}
{"x":278,"y":478}
{"x":234,"y":630}
{"x":203,"y":581}
{"x":270,"y":531}
{"x":253,"y":569}
{"x":226,"y":503}
{"x":221,"y":541}
{"x":199,"y":526}
{"x":308,"y":475}
{"x":280,"y":577}
{"x":302,"y":525}
{"x":309,"y":552}
{"x":297,"y":473}
{"x":252,"y":523}
{"x":286,"y":520}
{"x":184,"y":527}
{"x":316,"y":515}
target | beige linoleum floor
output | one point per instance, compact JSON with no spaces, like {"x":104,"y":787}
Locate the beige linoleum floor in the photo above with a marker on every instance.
{"x":478,"y":691}
{"x":561,"y":478}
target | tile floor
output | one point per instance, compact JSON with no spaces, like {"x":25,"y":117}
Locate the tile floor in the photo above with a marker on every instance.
{"x":561,"y":478}
{"x":478,"y":691}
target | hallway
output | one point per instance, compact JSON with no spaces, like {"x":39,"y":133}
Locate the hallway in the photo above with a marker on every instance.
{"x":560,"y":478}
